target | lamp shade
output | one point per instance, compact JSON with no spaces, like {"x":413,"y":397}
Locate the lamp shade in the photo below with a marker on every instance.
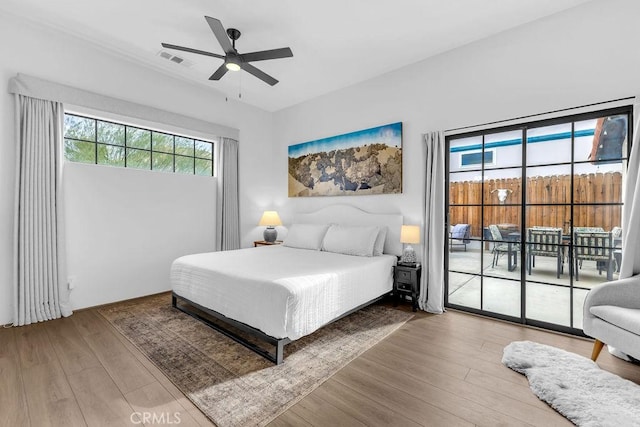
{"x":410,"y":234}
{"x":270,"y":219}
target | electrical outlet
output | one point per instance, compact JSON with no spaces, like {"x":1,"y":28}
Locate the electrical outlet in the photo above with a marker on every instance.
{"x":71,"y":282}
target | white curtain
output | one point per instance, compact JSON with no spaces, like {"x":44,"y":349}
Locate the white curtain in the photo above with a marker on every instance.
{"x":228,"y":211}
{"x":631,"y":208}
{"x":40,"y":289}
{"x":432,"y":285}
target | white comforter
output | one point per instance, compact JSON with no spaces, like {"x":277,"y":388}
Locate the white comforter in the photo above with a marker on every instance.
{"x":282,"y":291}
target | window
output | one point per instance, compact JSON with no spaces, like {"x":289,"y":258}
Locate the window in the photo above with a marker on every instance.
{"x":89,"y":140}
{"x":475,"y":158}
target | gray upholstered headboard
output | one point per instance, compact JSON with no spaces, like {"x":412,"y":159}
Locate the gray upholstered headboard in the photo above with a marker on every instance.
{"x":350,"y":215}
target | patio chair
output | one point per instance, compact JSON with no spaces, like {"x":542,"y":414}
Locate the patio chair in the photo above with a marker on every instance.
{"x":545,"y":242}
{"x":460,"y":234}
{"x":616,"y":235}
{"x":500,"y":247}
{"x":586,"y":230}
{"x":593,"y":246}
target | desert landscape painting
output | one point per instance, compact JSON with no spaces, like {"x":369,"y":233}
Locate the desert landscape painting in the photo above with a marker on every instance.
{"x":364,"y":162}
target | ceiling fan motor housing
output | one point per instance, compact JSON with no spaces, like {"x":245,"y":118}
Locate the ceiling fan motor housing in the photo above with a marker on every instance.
{"x":233,"y":59}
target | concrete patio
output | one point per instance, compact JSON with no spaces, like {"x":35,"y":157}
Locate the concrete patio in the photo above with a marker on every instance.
{"x":548,"y":298}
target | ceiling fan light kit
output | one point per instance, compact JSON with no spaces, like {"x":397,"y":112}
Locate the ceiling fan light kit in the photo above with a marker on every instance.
{"x":232,"y":65}
{"x":233,"y":60}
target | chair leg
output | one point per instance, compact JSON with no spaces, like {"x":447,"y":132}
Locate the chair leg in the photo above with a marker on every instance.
{"x":577,"y":268}
{"x":597,"y":348}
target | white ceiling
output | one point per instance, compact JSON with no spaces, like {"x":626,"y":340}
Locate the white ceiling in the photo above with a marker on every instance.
{"x":335,"y":43}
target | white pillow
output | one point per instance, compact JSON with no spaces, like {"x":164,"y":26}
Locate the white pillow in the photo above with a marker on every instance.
{"x":378,"y":247}
{"x":306,"y":236}
{"x":350,"y":240}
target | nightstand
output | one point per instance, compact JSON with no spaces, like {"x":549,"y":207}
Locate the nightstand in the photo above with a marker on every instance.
{"x":265,"y":243}
{"x":406,"y":281}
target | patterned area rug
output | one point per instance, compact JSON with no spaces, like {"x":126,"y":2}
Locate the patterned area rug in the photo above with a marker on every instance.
{"x":229,"y":383}
{"x":575,"y":386}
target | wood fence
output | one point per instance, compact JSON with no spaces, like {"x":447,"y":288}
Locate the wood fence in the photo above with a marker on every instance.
{"x":552,"y":193}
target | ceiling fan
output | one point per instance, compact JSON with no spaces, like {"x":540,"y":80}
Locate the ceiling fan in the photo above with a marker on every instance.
{"x":233,"y":60}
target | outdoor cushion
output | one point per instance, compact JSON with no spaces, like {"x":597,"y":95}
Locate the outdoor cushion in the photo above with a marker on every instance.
{"x":461,"y":232}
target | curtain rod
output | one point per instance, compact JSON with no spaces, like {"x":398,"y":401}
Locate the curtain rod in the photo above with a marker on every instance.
{"x":540,"y":114}
{"x":35,"y":87}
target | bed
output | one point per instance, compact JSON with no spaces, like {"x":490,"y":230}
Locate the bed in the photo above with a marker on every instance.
{"x":280,"y":293}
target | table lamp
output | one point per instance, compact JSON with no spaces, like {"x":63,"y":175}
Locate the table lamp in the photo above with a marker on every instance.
{"x":270,"y":219}
{"x":409,"y":234}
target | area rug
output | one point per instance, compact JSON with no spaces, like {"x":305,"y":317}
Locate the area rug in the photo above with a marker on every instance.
{"x":230,"y":384}
{"x":575,"y":386}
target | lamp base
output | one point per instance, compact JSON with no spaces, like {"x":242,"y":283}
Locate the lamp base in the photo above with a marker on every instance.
{"x":408,"y":255}
{"x":270,"y":234}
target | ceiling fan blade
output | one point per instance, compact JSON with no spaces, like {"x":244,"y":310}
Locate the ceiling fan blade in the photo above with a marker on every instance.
{"x":262,"y":55}
{"x":188,"y":49}
{"x":221,"y":71}
{"x":220,"y":33}
{"x":258,"y":73}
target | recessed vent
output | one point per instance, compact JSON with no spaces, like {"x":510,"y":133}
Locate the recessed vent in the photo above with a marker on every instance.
{"x":173,"y":58}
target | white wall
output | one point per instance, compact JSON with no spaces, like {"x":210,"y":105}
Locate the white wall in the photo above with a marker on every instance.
{"x":49,"y":54}
{"x":584,"y":55}
{"x":124,"y":227}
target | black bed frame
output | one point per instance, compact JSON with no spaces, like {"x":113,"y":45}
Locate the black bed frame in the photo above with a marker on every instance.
{"x":277,"y":357}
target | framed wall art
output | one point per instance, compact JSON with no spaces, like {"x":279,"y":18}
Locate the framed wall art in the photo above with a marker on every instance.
{"x":368,"y":161}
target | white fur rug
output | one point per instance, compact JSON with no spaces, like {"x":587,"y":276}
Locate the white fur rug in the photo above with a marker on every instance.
{"x":575,"y":386}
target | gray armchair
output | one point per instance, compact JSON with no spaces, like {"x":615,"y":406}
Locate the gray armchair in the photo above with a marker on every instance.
{"x":612,"y":316}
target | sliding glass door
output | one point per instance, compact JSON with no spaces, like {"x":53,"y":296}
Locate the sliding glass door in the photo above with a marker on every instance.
{"x":543,"y":201}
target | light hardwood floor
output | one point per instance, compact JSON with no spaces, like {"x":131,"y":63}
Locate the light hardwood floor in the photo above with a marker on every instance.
{"x":435,"y":370}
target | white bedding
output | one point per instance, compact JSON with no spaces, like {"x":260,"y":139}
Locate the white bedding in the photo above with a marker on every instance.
{"x":285,"y":292}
